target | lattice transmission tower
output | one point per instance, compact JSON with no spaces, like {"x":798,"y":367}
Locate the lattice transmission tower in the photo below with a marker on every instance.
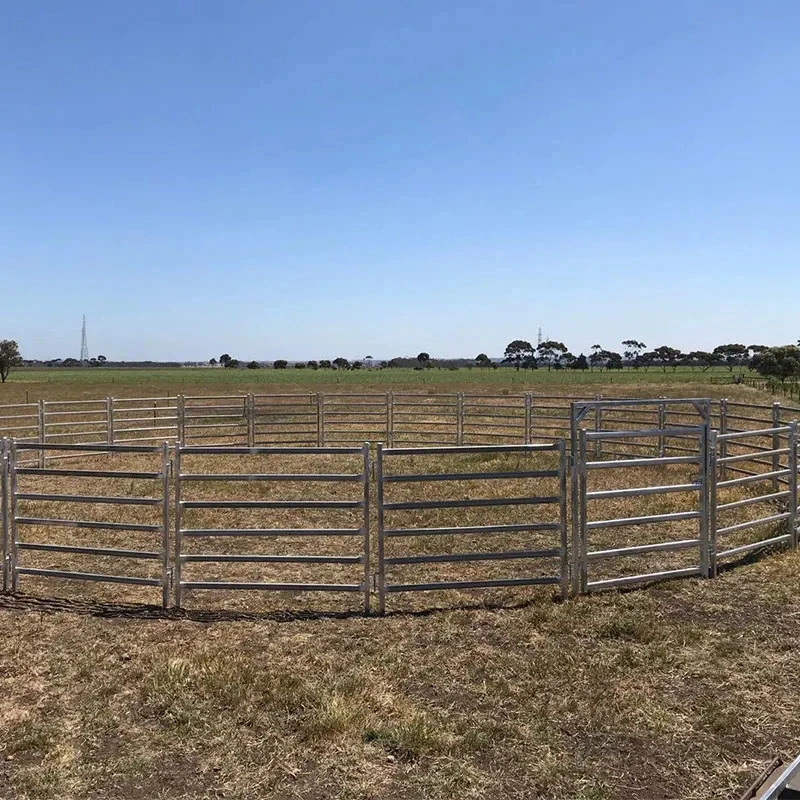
{"x":84,"y":344}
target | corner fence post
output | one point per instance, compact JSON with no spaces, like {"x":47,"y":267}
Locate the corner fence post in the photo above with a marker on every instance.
{"x":4,"y":509}
{"x":712,"y":477}
{"x":380,"y":573}
{"x":365,"y":523}
{"x":793,"y":483}
{"x":776,"y":445}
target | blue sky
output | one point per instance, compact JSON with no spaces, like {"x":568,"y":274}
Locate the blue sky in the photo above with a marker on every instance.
{"x":312,"y":179}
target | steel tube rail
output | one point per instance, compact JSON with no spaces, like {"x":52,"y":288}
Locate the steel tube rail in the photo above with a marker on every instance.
{"x":648,"y":577}
{"x":473,"y":529}
{"x":472,"y":448}
{"x":640,"y":549}
{"x":268,"y":532}
{"x":484,"y":584}
{"x":469,"y":476}
{"x":88,"y":576}
{"x":753,"y":523}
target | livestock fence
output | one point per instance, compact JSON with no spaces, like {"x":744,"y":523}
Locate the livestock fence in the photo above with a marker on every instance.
{"x":379,"y":497}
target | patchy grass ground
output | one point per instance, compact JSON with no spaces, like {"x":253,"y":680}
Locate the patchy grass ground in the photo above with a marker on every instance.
{"x":681,"y":690}
{"x":684,"y":690}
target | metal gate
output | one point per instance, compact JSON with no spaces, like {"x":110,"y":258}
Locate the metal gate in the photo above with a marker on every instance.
{"x":631,"y":541}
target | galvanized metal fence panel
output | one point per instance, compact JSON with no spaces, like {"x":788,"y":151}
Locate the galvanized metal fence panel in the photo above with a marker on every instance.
{"x":219,"y":418}
{"x":549,"y":519}
{"x":354,"y":418}
{"x":416,"y":420}
{"x":774,"y":506}
{"x":131,"y":420}
{"x":23,"y":422}
{"x":73,"y":422}
{"x":186,"y":504}
{"x":286,"y":419}
{"x":21,"y":519}
{"x":493,"y":419}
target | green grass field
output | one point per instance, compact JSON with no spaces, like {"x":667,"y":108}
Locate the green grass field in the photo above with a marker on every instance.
{"x":55,"y":384}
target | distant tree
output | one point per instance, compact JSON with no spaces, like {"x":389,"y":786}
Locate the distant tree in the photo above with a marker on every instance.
{"x":101,"y":360}
{"x":212,"y":362}
{"x":667,"y":357}
{"x":613,"y":360}
{"x":299,"y":364}
{"x":732,"y":354}
{"x":281,"y":363}
{"x":596,"y":359}
{"x":580,"y":362}
{"x":778,"y":362}
{"x":254,"y":365}
{"x":341,"y":363}
{"x":69,"y":362}
{"x":325,"y":364}
{"x":520,"y":354}
{"x":482,"y":360}
{"x":423,"y":358}
{"x":368,"y":361}
{"x":702,"y":359}
{"x":632,"y":351}
{"x":395,"y":363}
{"x":313,"y":365}
{"x":384,"y":364}
{"x":224,"y":359}
{"x":356,"y":365}
{"x":231,"y":363}
{"x":552,"y":353}
{"x":9,"y":357}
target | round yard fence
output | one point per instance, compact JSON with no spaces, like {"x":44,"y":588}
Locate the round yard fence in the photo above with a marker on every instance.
{"x":374,"y":502}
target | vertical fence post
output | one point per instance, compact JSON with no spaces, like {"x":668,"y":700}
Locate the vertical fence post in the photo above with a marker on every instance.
{"x":178,"y":526}
{"x":662,"y":425}
{"x":793,"y":483}
{"x":389,"y":416}
{"x":598,"y":426}
{"x":321,"y":418}
{"x":776,"y":445}
{"x":42,"y":432}
{"x":165,"y":587}
{"x":563,"y":539}
{"x":251,"y":420}
{"x":109,"y":420}
{"x":573,"y":492}
{"x":12,"y":517}
{"x":583,"y":533}
{"x":704,"y":505}
{"x":380,"y":572}
{"x":723,"y":445}
{"x":528,"y":415}
{"x":711,"y":478}
{"x":365,"y":523}
{"x":4,"y":508}
{"x":180,"y":415}
{"x":460,"y":419}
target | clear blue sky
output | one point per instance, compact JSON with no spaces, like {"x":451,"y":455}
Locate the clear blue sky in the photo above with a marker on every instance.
{"x":312,"y":179}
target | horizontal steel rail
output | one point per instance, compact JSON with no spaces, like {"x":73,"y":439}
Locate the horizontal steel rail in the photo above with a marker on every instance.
{"x":88,"y":576}
{"x":481,"y":584}
{"x":473,"y":529}
{"x":270,"y":532}
{"x":469,"y":476}
{"x":641,"y":549}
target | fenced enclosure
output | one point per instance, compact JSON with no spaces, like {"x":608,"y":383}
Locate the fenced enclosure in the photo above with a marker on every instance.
{"x":395,"y":495}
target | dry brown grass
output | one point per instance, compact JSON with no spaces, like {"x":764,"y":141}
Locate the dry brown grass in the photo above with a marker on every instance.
{"x":680,"y":690}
